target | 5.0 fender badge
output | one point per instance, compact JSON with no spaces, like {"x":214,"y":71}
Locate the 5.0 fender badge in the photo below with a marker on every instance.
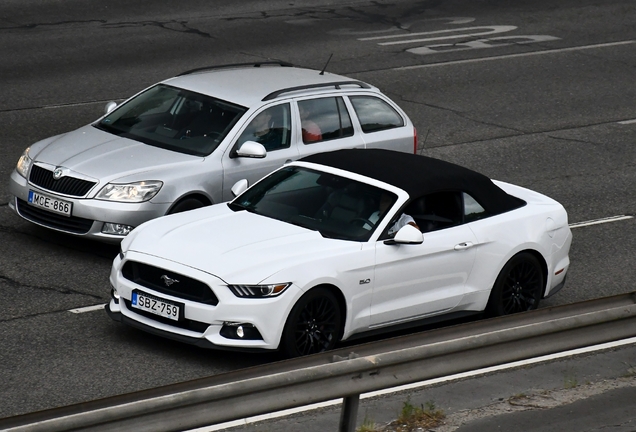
{"x":365,"y":281}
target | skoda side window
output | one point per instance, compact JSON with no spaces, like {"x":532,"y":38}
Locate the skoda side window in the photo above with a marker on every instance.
{"x":324,"y":119}
{"x":271,"y":128}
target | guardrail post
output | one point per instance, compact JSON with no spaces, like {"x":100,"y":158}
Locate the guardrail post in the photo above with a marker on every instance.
{"x":349,"y":413}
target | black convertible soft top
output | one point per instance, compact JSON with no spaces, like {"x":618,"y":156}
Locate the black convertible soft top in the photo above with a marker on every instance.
{"x":419,"y":175}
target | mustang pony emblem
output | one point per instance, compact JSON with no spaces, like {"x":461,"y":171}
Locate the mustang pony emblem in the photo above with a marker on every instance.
{"x":168,"y":280}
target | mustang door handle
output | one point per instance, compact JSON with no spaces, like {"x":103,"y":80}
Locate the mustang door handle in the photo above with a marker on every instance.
{"x":464,"y":245}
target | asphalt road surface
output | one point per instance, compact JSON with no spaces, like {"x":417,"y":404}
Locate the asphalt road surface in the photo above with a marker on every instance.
{"x":539,"y":94}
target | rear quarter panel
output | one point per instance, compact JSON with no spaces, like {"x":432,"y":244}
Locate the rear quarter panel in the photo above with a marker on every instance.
{"x":541,"y":226}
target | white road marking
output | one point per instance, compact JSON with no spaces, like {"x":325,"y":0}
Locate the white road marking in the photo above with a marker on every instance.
{"x":600,"y":221}
{"x":495,"y":42}
{"x":446,"y":34}
{"x":426,"y":383}
{"x":553,"y":51}
{"x":626,"y":122}
{"x":87,"y":309}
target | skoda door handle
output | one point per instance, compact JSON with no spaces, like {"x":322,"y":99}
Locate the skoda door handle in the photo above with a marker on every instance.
{"x":465,"y":245}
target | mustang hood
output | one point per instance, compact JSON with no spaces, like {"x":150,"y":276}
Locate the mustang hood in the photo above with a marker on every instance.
{"x":101,"y":155}
{"x":237,"y":247}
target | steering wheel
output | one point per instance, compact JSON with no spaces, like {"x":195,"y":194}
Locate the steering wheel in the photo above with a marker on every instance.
{"x":363,"y":220}
{"x":213,"y":135}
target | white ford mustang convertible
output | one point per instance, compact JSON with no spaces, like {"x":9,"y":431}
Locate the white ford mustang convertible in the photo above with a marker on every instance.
{"x":338,"y":245}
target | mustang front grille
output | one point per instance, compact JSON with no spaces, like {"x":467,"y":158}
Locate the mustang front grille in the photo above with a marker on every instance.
{"x":66,"y":185}
{"x":70,"y":224}
{"x":167,"y":282}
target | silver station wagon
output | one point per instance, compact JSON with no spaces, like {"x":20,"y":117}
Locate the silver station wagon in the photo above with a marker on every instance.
{"x":184,"y":142}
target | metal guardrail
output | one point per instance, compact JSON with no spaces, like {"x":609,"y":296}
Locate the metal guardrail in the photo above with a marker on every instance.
{"x":346,"y":373}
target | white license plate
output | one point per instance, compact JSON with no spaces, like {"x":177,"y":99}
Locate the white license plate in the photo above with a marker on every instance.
{"x":50,"y":203}
{"x":158,"y":306}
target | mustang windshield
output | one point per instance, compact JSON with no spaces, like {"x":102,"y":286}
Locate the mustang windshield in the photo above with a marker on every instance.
{"x":174,"y":119}
{"x":335,"y":206}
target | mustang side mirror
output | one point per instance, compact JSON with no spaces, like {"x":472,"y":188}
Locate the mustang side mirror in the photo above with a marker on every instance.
{"x":110,"y":106}
{"x":251,"y":149}
{"x":239,"y":187}
{"x":408,"y":234}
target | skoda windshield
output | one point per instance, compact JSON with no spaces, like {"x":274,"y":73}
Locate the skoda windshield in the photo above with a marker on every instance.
{"x":174,"y":119}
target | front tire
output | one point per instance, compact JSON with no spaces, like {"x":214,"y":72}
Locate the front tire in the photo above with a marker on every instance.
{"x":313,"y":324}
{"x":518,"y":287}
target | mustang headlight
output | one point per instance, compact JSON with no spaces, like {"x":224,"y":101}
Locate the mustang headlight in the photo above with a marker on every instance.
{"x":131,"y":192}
{"x":24,"y":164}
{"x":258,"y":291}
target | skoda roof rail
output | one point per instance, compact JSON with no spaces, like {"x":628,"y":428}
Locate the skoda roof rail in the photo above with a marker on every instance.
{"x":335,"y":84}
{"x":233,"y":65}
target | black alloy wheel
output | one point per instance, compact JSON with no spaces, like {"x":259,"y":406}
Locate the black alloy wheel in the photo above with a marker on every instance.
{"x":518,"y":288}
{"x":313,"y":325}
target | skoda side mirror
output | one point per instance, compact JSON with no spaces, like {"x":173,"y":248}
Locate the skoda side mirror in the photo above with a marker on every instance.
{"x":110,"y":106}
{"x":251,"y":149}
{"x":239,"y":187}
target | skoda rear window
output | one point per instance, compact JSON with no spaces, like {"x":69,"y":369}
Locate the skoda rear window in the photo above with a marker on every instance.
{"x":375,"y":114}
{"x":174,"y":119}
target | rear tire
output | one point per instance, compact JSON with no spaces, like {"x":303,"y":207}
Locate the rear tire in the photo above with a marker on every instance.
{"x":518,"y":287}
{"x":185,"y":205}
{"x":313,"y":325}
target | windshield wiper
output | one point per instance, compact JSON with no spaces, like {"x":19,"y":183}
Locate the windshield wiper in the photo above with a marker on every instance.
{"x":108,"y":128}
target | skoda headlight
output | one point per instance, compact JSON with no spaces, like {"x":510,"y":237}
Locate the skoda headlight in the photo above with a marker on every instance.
{"x":258,"y":291}
{"x":24,"y":164}
{"x":130,"y":192}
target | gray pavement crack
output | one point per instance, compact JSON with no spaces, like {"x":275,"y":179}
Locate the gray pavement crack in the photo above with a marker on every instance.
{"x":268,"y":15}
{"x":34,"y":315}
{"x":348,"y":12}
{"x":60,"y":290}
{"x":383,"y":18}
{"x":9,"y":230}
{"x":573,"y":140}
{"x":106,"y":251}
{"x":380,"y":18}
{"x":463,"y":115}
{"x":172,"y":25}
{"x":53,"y":24}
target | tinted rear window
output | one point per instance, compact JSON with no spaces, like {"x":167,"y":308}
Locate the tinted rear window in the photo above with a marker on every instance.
{"x":375,"y":114}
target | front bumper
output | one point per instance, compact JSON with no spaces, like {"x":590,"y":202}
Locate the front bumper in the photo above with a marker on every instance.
{"x":88,"y":215}
{"x":203,"y":324}
{"x":202,"y":343}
